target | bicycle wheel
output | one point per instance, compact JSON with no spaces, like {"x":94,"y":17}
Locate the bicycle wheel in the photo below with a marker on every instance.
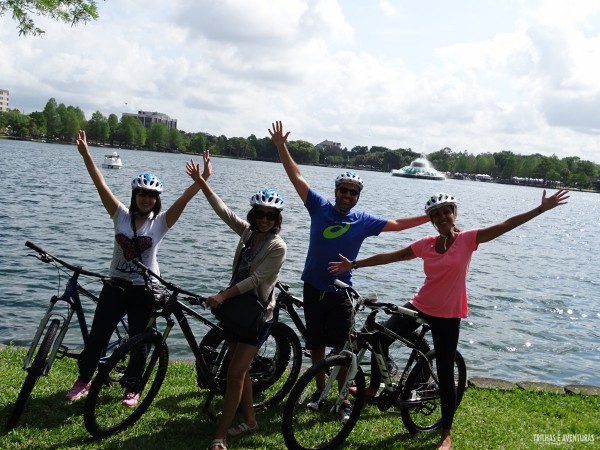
{"x":305,"y":428}
{"x":276,"y":366}
{"x":423,"y":394}
{"x":274,"y":369}
{"x":33,"y":373}
{"x":118,"y":338}
{"x":104,"y":413}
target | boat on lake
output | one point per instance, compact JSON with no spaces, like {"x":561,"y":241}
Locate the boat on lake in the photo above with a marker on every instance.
{"x":112,"y":161}
{"x":419,"y":168}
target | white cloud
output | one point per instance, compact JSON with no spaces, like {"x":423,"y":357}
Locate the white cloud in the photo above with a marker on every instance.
{"x":480,"y":76}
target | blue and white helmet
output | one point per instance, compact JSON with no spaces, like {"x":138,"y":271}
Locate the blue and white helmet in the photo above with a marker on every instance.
{"x":349,"y":177}
{"x":148,"y":182}
{"x":438,"y":200}
{"x":267,"y":197}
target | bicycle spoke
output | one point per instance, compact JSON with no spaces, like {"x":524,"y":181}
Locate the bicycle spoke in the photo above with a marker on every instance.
{"x":307,"y":425}
{"x":421,"y":395}
{"x":140,"y":367}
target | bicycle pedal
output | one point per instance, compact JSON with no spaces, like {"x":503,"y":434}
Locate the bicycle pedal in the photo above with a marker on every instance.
{"x":63,"y":351}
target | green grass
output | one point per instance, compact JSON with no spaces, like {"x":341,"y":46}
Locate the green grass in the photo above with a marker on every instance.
{"x":486,"y":419}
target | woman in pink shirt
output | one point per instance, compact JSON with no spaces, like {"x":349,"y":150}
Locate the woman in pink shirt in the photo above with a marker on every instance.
{"x":442,"y":300}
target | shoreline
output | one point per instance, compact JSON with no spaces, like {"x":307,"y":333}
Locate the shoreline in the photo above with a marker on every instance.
{"x":477,"y":382}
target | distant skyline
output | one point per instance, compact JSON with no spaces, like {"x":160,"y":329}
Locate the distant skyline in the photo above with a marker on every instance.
{"x":475,"y":75}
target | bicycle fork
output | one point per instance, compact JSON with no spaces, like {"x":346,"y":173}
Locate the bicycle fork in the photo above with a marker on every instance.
{"x":343,"y":388}
{"x":42,"y":327}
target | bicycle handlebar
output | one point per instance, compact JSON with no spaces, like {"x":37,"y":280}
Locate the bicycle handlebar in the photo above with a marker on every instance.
{"x":47,"y":258}
{"x":389,"y":308}
{"x":169,"y":285}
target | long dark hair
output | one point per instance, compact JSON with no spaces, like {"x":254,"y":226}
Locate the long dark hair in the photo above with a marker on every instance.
{"x":251,"y":218}
{"x":133,"y":205}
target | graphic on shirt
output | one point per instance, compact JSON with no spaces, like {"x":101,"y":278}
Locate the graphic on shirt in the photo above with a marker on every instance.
{"x":130,"y":250}
{"x":335,"y":231}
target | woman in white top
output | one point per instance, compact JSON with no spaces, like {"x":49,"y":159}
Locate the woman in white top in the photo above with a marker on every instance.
{"x":139,"y":230}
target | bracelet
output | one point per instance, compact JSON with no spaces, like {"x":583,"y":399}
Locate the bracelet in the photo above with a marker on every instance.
{"x":354,"y":265}
{"x":540,"y":209}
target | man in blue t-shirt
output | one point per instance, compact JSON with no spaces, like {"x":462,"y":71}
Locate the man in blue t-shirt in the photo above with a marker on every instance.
{"x":334,"y":229}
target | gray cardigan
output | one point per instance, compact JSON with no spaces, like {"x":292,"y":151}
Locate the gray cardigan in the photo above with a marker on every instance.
{"x":265,"y":267}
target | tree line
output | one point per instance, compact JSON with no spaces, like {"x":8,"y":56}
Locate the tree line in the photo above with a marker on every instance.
{"x":58,"y":122}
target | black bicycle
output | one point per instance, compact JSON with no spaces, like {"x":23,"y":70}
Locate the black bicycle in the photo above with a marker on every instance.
{"x":278,"y":362}
{"x":414,"y":391}
{"x":47,"y":344}
{"x":141,"y":364}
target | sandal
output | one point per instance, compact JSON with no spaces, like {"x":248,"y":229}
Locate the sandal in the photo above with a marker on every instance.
{"x":219,"y":443}
{"x":242,"y":429}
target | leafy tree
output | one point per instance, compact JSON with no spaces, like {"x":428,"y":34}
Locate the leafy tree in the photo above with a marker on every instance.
{"x":113,"y":127}
{"x":132,"y":132}
{"x":97,"y":127}
{"x":175,"y":139}
{"x":239,"y":147}
{"x":18,"y":124}
{"x":37,"y":127}
{"x":53,"y":121}
{"x":197,"y":143}
{"x":158,"y":136}
{"x":68,"y":11}
{"x":303,"y":152}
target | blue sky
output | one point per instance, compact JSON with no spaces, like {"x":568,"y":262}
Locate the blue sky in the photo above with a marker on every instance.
{"x":480,"y":76}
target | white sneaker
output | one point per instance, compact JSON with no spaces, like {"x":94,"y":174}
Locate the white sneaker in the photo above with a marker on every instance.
{"x":313,"y":405}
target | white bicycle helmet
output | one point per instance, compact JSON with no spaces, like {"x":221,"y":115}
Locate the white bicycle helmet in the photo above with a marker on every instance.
{"x":438,"y":200}
{"x":148,"y":182}
{"x":267,"y":197}
{"x":349,"y":177}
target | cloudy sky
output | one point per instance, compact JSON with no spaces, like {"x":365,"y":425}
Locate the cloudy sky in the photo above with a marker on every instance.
{"x":475,"y":75}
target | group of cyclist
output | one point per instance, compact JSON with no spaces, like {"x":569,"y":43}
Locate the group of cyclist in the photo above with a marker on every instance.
{"x":337,"y":231}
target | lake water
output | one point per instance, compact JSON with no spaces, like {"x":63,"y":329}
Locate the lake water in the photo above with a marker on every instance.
{"x":533,"y":293}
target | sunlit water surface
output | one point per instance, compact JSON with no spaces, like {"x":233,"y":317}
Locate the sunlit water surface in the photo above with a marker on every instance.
{"x":533,"y":293}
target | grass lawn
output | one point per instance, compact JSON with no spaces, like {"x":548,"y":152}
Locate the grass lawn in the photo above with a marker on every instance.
{"x":486,"y":419}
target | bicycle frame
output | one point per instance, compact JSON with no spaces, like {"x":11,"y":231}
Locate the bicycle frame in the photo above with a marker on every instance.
{"x":175,"y":308}
{"x":369,"y":340}
{"x":289,"y":303}
{"x":72,"y":300}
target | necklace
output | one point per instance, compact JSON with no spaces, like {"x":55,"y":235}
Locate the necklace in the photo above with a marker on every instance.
{"x":445,"y":240}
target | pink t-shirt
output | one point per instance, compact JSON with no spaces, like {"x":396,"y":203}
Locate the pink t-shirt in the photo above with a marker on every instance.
{"x":444,"y":292}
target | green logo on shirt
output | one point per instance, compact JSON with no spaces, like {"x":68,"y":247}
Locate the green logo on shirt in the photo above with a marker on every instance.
{"x":335,"y":231}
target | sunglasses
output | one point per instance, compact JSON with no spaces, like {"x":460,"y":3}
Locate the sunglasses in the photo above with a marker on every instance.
{"x":352,"y":192}
{"x":145,"y":193}
{"x":271,"y":215}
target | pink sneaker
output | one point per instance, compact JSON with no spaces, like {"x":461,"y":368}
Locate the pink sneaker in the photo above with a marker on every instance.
{"x":79,"y":389}
{"x":130,"y":399}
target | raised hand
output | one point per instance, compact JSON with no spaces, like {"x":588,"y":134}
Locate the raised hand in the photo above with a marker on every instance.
{"x":193,"y":170}
{"x":82,"y":142}
{"x":559,"y":198}
{"x":207,"y":165}
{"x":277,"y":133}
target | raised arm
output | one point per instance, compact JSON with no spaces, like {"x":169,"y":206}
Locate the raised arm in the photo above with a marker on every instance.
{"x":109,"y":201}
{"x":405,"y":223}
{"x":176,"y":209}
{"x":193,"y":170}
{"x":290,"y":166}
{"x":490,"y":233}
{"x":345,"y":265}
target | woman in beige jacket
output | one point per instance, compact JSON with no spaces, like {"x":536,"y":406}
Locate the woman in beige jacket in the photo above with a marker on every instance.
{"x":258,"y":259}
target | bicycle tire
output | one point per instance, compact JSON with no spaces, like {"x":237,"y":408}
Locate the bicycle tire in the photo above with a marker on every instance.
{"x":273,"y":371}
{"x":103,"y":412}
{"x":422,"y":387}
{"x":34,"y":372}
{"x":305,"y":429}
